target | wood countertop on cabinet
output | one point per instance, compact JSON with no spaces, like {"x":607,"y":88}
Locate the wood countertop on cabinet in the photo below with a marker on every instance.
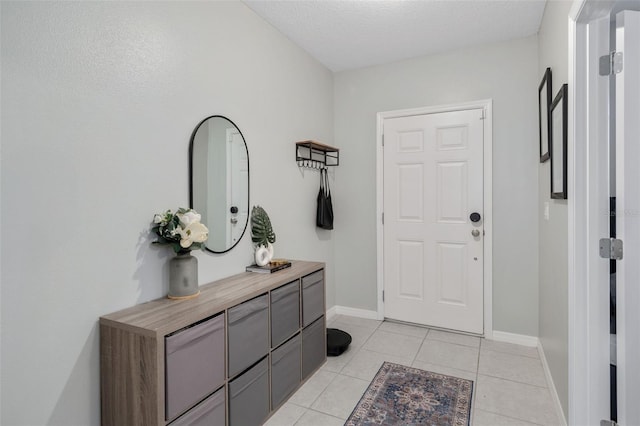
{"x":163,"y":316}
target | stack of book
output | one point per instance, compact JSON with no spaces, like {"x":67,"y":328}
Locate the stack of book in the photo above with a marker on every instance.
{"x":270,"y":267}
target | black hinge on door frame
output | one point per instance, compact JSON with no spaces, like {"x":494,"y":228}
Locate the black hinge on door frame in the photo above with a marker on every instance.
{"x":383,"y":295}
{"x":611,"y":64}
{"x":383,"y":139}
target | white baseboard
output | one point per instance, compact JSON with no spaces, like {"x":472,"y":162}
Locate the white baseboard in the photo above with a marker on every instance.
{"x":331,"y":312}
{"x":352,"y":312}
{"x":518,"y":339}
{"x":551,"y":385}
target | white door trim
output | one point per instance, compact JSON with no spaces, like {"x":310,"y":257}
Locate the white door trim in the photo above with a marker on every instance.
{"x":487,"y":105}
{"x":587,"y":170}
{"x":627,"y":204}
{"x":577,"y":224}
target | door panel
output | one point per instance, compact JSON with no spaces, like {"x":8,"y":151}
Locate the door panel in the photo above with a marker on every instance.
{"x":452,"y":192}
{"x":411,"y":141}
{"x":410,"y":192}
{"x":454,"y":137}
{"x":411,"y":255}
{"x":451,"y":267}
{"x":433,"y":180}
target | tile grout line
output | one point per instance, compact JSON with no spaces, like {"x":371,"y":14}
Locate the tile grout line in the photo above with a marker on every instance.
{"x":345,"y":375}
{"x":295,"y":422}
{"x":512,"y":354}
{"x":319,"y":412}
{"x":474,"y":394}
{"x":536,"y":356}
{"x":514,"y":381}
{"x":511,"y":417}
{"x":321,"y":392}
{"x":424,"y":339}
{"x":361,"y":346}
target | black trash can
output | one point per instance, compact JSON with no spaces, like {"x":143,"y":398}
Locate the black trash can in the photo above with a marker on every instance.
{"x":337,"y":341}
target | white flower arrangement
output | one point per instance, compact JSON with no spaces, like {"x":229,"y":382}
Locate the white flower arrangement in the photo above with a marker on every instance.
{"x":181,"y":230}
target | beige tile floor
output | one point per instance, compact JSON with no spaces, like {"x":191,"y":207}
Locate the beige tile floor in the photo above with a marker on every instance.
{"x":509,"y":382}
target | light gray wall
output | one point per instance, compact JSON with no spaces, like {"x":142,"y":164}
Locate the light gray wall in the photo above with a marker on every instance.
{"x":505,"y":72}
{"x":553,"y":326}
{"x":99,"y":100}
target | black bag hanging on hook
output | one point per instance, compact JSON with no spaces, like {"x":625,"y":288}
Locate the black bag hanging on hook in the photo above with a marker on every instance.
{"x":324,"y":214}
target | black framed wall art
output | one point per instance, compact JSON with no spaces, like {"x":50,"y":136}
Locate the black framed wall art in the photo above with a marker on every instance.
{"x":558,"y":144}
{"x":544,"y":104}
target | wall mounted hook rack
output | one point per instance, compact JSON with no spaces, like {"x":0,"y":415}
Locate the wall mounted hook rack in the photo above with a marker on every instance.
{"x":316,"y":155}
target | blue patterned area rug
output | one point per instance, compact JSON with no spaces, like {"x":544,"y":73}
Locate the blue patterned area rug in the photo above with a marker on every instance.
{"x":400,"y":395}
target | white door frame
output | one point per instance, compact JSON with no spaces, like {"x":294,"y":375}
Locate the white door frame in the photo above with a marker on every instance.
{"x":584,"y":314}
{"x":487,"y":105}
{"x":627,"y":223}
{"x":588,"y":178}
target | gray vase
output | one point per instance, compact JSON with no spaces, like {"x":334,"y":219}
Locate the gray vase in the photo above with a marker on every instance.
{"x":183,"y":276}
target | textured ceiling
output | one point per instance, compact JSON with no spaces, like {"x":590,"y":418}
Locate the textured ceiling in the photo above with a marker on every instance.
{"x":348,"y":34}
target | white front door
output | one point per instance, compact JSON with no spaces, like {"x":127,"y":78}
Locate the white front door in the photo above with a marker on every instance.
{"x":433,"y":250}
{"x":628,"y":217}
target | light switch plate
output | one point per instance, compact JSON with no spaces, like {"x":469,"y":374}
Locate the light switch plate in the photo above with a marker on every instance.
{"x":546,"y":210}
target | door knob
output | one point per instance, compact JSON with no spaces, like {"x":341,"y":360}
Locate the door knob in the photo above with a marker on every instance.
{"x":475,"y":233}
{"x":234,"y":220}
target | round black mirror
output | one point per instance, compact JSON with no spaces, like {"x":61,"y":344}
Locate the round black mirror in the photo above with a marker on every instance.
{"x":219,"y":181}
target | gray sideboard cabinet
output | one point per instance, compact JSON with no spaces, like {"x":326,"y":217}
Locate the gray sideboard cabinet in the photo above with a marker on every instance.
{"x":249,"y":340}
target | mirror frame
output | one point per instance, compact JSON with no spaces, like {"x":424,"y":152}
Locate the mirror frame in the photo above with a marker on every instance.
{"x":193,"y":135}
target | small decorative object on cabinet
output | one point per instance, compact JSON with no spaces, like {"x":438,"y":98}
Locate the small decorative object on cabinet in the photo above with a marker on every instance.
{"x":182,"y":231}
{"x":262,"y":235}
{"x":183,"y":276}
{"x":316,"y":155}
{"x":274,"y":266}
{"x":249,"y":340}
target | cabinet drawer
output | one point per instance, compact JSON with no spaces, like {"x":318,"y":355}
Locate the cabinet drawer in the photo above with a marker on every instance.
{"x":314,"y":348}
{"x":312,"y":297}
{"x":194,"y":364}
{"x":210,"y":412}
{"x":285,"y":312}
{"x":285,"y":370}
{"x":249,"y":396}
{"x":248,"y":333}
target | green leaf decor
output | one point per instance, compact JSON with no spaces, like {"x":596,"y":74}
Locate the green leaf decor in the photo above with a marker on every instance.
{"x":261,"y":232}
